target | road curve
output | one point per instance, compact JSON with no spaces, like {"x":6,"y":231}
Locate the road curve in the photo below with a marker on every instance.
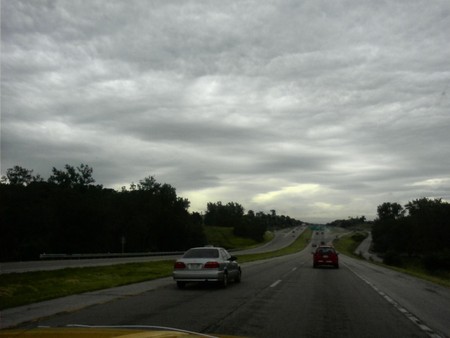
{"x":281,"y":239}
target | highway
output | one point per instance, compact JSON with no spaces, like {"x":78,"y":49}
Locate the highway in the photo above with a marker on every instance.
{"x":47,"y":265}
{"x":285,"y":297}
{"x":281,"y":239}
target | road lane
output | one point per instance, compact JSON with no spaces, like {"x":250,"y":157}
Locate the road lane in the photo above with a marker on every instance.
{"x":364,"y":249}
{"x":318,"y":303}
{"x":48,"y":265}
{"x":281,"y":239}
{"x":282,"y":297}
{"x":423,"y":300}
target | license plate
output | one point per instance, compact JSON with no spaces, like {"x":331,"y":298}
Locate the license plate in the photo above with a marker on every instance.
{"x":325,"y":256}
{"x":195,"y":266}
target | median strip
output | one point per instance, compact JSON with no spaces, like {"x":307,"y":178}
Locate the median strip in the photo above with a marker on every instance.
{"x":30,"y":287}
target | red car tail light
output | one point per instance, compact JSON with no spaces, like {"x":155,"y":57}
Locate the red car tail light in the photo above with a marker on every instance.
{"x":179,"y":265}
{"x":211,"y":265}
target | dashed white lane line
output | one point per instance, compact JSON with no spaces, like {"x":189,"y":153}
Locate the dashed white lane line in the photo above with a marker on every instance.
{"x":408,"y":314}
{"x":275,"y":283}
{"x":279,"y":281}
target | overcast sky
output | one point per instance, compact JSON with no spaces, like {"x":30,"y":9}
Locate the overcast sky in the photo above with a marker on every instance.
{"x":320,"y":110}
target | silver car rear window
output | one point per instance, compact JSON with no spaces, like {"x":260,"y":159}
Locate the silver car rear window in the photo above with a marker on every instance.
{"x":202,"y":253}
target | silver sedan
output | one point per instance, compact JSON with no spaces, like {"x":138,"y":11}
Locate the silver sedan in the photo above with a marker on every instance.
{"x":206,"y":264}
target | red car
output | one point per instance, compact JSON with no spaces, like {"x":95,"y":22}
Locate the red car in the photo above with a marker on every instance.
{"x":325,"y":255}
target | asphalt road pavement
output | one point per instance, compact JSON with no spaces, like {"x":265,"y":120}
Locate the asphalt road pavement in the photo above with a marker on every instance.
{"x":281,"y":239}
{"x":281,"y":297}
{"x":48,"y":265}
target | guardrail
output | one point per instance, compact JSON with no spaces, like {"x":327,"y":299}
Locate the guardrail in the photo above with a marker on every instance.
{"x":45,"y":256}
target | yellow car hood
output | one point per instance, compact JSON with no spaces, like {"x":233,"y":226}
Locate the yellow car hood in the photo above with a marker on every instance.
{"x":96,"y":332}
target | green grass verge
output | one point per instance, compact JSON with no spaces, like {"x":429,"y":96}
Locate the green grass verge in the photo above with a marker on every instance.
{"x":299,"y":244}
{"x":224,"y":237}
{"x":410,"y":268}
{"x":30,"y":287}
{"x":347,"y":245}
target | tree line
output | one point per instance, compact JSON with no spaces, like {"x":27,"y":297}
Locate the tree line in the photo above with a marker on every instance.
{"x":350,"y":222}
{"x":69,"y":213}
{"x":420,"y":229}
{"x":252,"y":225}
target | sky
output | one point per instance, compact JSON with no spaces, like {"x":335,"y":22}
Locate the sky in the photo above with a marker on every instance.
{"x":319,"y":110}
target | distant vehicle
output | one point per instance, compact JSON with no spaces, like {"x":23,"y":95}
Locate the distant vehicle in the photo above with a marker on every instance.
{"x":314,"y":245}
{"x":325,"y":255}
{"x":206,"y":264}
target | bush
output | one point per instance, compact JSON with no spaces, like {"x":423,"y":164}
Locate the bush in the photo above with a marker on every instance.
{"x":359,"y":237}
{"x":393,"y":258}
{"x":437,"y":261}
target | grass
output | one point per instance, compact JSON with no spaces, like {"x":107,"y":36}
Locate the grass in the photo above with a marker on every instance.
{"x":411,"y":268}
{"x":30,"y":287}
{"x":347,"y":245}
{"x":18,"y":289}
{"x":299,"y":244}
{"x":224,"y":237}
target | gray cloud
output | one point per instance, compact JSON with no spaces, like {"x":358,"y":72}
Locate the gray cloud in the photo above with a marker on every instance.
{"x":319,"y":110}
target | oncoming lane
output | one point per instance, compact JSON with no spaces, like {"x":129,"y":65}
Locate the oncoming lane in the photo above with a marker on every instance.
{"x":281,"y":239}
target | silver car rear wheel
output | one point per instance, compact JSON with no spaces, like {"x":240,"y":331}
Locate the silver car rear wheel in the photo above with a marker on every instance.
{"x":224,"y":282}
{"x":238,"y":277}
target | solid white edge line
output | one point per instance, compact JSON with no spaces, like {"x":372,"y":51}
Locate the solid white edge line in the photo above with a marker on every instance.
{"x":404,"y":311}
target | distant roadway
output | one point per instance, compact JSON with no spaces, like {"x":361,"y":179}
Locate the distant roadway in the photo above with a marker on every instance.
{"x":285,"y":297}
{"x":281,"y":239}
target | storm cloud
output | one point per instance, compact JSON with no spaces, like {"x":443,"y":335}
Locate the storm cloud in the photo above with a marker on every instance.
{"x":316,"y":109}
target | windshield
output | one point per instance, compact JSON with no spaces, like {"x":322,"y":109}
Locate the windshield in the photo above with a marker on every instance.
{"x":179,"y":163}
{"x":202,"y":253}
